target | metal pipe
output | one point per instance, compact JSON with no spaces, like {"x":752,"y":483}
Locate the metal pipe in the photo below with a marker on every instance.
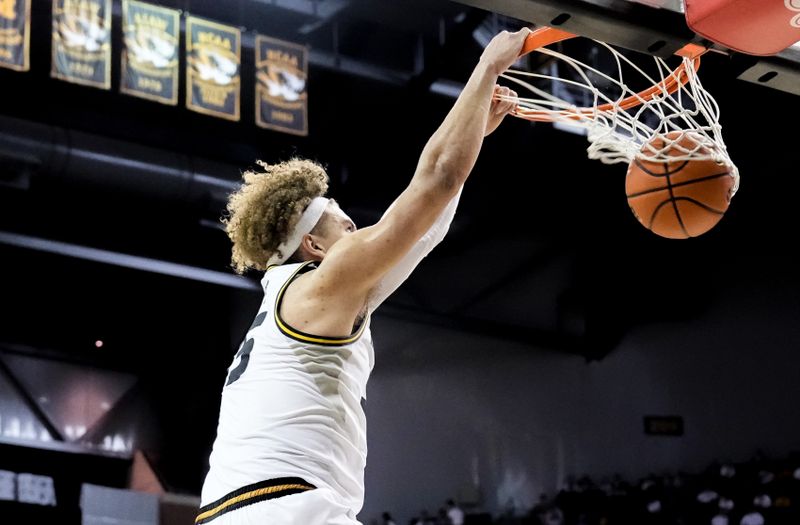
{"x":58,"y":154}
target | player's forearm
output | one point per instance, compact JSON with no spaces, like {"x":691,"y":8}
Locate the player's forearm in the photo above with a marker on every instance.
{"x":451,"y":152}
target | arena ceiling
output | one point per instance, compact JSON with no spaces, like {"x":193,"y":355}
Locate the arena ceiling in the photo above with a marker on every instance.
{"x":543,"y":240}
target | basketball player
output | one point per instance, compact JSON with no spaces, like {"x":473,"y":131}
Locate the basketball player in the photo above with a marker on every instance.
{"x":291,"y":441}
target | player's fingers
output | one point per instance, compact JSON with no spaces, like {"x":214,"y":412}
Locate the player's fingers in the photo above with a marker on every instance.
{"x":513,"y":98}
{"x":505,"y":100}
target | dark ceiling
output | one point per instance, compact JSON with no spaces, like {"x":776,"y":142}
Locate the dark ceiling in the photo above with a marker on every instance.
{"x":541,"y":234}
{"x":544,"y":248}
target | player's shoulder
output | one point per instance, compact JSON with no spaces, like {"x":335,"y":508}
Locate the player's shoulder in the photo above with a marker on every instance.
{"x":280,"y":273}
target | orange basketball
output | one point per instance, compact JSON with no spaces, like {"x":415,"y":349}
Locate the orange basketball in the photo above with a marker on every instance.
{"x":678,"y":199}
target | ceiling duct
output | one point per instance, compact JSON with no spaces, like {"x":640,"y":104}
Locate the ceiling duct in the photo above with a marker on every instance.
{"x":40,"y":154}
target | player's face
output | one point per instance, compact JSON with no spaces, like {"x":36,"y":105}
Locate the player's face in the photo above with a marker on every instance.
{"x":338,"y":224}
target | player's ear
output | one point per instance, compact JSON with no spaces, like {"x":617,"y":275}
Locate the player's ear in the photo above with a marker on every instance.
{"x":312,"y":247}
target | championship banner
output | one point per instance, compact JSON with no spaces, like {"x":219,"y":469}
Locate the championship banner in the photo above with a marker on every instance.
{"x":281,"y":97}
{"x":149,"y":58}
{"x":81,"y":49}
{"x":15,"y":34}
{"x":213,"y":61}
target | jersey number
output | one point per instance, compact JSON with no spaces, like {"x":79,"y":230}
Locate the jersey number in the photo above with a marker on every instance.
{"x":244,"y":351}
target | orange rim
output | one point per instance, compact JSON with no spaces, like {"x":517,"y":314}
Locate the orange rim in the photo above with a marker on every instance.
{"x":546,"y":36}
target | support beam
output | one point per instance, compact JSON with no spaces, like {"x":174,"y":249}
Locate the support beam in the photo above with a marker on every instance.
{"x":128,"y":261}
{"x":619,"y":22}
{"x":30,"y":401}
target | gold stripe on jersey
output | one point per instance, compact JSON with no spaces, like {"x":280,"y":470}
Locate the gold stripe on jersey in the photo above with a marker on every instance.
{"x":302,"y":336}
{"x":242,"y":497}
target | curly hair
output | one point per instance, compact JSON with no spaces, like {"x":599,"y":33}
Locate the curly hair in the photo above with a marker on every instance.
{"x":262,"y":212}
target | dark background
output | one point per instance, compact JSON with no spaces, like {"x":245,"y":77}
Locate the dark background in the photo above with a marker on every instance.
{"x":544,"y":250}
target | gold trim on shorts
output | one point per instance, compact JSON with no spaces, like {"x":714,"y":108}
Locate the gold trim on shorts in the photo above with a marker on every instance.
{"x":263,"y":490}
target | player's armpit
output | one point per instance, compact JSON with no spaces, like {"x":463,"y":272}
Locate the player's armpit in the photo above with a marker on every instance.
{"x":357,"y":262}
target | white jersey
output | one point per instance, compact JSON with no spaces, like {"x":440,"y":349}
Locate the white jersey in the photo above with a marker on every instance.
{"x":291,"y":405}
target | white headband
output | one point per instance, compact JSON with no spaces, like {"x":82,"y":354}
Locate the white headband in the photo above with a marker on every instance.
{"x":307,"y":221}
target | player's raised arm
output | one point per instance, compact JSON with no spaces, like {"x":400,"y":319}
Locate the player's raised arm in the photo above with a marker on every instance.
{"x":358,"y":261}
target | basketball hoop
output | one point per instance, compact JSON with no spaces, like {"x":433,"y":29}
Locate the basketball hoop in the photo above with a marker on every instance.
{"x":622,"y":124}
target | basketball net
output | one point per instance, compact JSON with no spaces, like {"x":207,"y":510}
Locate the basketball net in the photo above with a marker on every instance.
{"x":621,"y":123}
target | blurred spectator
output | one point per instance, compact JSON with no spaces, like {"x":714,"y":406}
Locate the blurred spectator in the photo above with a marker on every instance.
{"x":387,"y":519}
{"x":454,"y":513}
{"x":752,"y":518}
{"x":546,"y":512}
{"x":538,"y":511}
{"x":759,"y":491}
{"x":553,"y":516}
{"x":568,"y":500}
{"x":426,"y":519}
{"x":720,"y":519}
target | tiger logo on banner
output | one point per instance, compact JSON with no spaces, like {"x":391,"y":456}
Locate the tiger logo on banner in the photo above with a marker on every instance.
{"x":281,"y":73}
{"x":15,"y":34}
{"x":149,"y":59}
{"x":82,"y":42}
{"x":213,"y":64}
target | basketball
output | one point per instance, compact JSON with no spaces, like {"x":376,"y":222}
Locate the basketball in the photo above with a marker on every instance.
{"x":681,"y":198}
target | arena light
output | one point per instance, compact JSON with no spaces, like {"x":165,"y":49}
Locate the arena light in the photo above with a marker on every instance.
{"x":447,"y":88}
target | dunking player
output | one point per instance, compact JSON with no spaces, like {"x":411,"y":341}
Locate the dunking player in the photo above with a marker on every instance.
{"x":291,"y":441}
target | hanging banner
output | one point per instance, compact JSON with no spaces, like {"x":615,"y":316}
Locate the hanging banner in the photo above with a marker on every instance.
{"x":281,"y":97}
{"x":82,"y":42}
{"x":15,"y":34}
{"x":149,"y":58}
{"x":213,"y":62}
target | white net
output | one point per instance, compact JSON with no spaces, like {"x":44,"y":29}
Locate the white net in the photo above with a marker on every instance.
{"x":621,"y":123}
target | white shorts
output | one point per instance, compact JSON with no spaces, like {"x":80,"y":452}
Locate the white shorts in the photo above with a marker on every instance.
{"x":318,"y":506}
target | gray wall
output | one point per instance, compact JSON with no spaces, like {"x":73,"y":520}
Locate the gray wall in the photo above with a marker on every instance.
{"x":447,"y":411}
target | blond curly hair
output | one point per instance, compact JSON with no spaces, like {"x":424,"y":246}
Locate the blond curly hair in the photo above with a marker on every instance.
{"x":262,"y":212}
